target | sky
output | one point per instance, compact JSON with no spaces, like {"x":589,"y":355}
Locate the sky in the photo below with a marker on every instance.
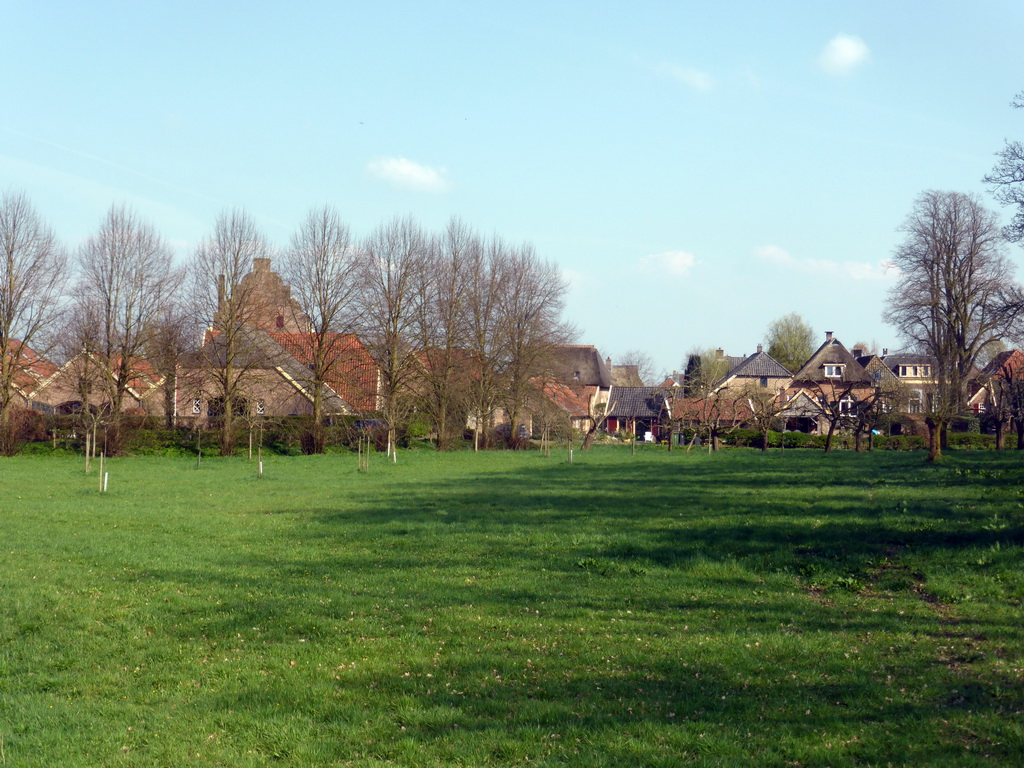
{"x":695,"y":169}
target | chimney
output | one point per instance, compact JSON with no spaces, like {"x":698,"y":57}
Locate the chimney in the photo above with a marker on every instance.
{"x":261,"y":264}
{"x":760,"y":349}
{"x":858,"y":352}
{"x":608,"y":362}
{"x":828,"y":335}
{"x":885,"y":351}
{"x":719,"y":352}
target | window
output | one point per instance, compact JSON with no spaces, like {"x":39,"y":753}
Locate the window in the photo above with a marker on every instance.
{"x":197,"y":406}
{"x":903,"y":371}
{"x":280,"y":321}
{"x":846,"y":404}
{"x":926,"y":370}
{"x":915,"y":401}
{"x":834,"y":371}
{"x":261,"y":408}
{"x":764,"y":382}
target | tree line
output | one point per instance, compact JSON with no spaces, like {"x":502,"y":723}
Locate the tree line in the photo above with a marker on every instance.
{"x":458,"y":324}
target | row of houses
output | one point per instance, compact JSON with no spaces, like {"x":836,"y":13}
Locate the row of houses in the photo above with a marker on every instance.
{"x":836,"y":386}
{"x":579,"y":387}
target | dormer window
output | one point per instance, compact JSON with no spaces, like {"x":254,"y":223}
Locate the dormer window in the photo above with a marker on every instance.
{"x":833,"y":371}
{"x":280,"y":321}
{"x":576,"y":375}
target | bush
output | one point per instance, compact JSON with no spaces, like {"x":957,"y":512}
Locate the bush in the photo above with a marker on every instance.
{"x":901,"y":443}
{"x":971,"y":442}
{"x":798,"y":440}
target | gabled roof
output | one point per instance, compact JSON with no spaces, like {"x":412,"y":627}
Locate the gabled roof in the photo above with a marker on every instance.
{"x":574,"y":401}
{"x":759,"y":365}
{"x":33,"y":370}
{"x":802,"y":405}
{"x":353,"y":373}
{"x":1006,"y":364}
{"x":877,"y":369}
{"x":638,"y":402}
{"x":832,"y":352}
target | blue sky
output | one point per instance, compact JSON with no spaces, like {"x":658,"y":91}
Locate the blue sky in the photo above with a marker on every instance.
{"x":696,"y":169}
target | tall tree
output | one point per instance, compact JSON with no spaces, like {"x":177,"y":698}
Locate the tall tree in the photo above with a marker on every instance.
{"x":228,"y":307}
{"x":392,"y":268}
{"x":483,"y":294}
{"x":790,"y":340}
{"x":1006,"y":181}
{"x":442,"y":330}
{"x":33,"y":273}
{"x":530,"y":326}
{"x":957,"y":297}
{"x":321,"y":266}
{"x":124,"y":284}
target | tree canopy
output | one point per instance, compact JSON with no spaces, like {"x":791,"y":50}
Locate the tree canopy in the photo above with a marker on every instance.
{"x":790,"y":340}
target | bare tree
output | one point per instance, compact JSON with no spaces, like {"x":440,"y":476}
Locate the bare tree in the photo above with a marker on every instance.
{"x":443,"y":330}
{"x":124,"y":284}
{"x":765,"y":407}
{"x":597,"y":414}
{"x":322,"y":268}
{"x":709,"y":409}
{"x":1007,"y":181}
{"x":957,"y":297}
{"x":228,"y":307}
{"x":530,"y":326}
{"x":643,"y":362}
{"x":790,"y":340}
{"x":172,"y":339}
{"x":33,"y":272}
{"x":485,"y":272}
{"x":392,"y":269}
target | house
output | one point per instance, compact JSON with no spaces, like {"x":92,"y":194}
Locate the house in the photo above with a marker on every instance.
{"x":31,"y":372}
{"x":757,"y":370}
{"x":86,"y":380}
{"x":997,"y":384}
{"x":580,"y":365}
{"x":272,"y":358}
{"x":641,"y":411}
{"x":833,"y":380}
{"x":916,"y":374}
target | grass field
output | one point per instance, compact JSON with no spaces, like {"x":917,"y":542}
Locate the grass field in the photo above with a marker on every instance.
{"x":661,"y":609}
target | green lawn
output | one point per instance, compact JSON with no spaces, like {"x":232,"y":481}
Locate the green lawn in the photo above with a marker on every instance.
{"x":739,"y":609}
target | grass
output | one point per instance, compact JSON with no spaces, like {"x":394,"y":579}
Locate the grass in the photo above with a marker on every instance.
{"x":506,"y":609}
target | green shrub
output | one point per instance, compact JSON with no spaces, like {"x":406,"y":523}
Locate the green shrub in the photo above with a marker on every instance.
{"x":798,"y":440}
{"x":971,"y":441}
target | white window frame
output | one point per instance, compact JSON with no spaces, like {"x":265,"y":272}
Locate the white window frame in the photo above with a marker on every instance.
{"x":833,"y":371}
{"x":197,"y":406}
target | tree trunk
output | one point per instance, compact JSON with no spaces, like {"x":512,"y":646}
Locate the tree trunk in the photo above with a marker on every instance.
{"x":858,"y":438}
{"x":764,"y":440}
{"x":828,"y":437}
{"x":1000,"y":435}
{"x":1020,"y":434}
{"x":934,"y":441}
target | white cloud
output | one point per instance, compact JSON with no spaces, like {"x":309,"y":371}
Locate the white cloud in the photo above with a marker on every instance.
{"x":669,"y":263}
{"x":774,"y":254}
{"x":690,"y":77}
{"x":409,"y":174}
{"x":843,"y":54}
{"x":843,"y":270}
